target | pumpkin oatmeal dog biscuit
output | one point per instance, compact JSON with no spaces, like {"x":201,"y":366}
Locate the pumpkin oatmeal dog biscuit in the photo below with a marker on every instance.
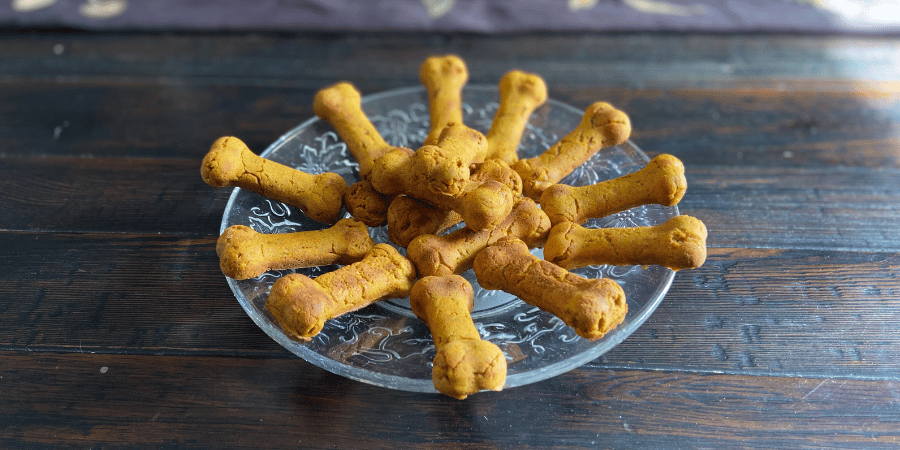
{"x":601,"y":126}
{"x":341,"y":106}
{"x":301,"y":305}
{"x":442,"y":169}
{"x":499,"y":171}
{"x":444,"y":78}
{"x":454,"y":252}
{"x":245,"y":253}
{"x":520,"y":94}
{"x":661,"y":181}
{"x":481,"y":205}
{"x":408,"y":218}
{"x":679,"y":243}
{"x":592,"y":307}
{"x":464,"y":364}
{"x":363,"y":202}
{"x":230,"y":163}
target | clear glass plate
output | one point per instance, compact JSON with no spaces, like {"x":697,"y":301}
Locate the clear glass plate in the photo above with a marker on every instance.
{"x":385,"y":344}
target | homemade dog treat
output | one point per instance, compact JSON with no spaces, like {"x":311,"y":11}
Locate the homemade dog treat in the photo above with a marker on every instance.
{"x":363,"y":202}
{"x":481,"y":205}
{"x":341,"y":106}
{"x":301,"y":305}
{"x":458,"y":174}
{"x":408,"y":218}
{"x":679,"y":243}
{"x":454,"y":252}
{"x":592,"y":307}
{"x":469,"y":145}
{"x":443,"y":78}
{"x":245,"y":253}
{"x":601,"y":126}
{"x":520,"y":94}
{"x":464,"y":363}
{"x":499,"y":171}
{"x":442,"y":169}
{"x":660,"y":181}
{"x":230,"y":163}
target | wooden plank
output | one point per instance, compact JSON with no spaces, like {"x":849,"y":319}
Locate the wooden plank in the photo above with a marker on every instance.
{"x":642,"y":60}
{"x":143,"y":120}
{"x":852,"y":209}
{"x":751,"y":311}
{"x":765,"y":127}
{"x":823,"y":208}
{"x":90,"y":400}
{"x":810,"y":313}
{"x":117,"y":292}
{"x":148,"y":195}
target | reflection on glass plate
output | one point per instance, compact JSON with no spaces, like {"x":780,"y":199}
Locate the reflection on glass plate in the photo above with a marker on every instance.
{"x":385,"y":344}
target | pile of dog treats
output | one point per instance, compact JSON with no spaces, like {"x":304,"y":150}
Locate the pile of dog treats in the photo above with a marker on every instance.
{"x":508,"y":206}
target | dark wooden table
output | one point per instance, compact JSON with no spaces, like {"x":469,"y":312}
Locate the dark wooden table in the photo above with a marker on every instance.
{"x":117,"y":329}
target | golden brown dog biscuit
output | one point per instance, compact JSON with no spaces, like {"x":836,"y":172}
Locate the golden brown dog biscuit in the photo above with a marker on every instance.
{"x":301,"y":305}
{"x":520,"y":94}
{"x":442,"y":169}
{"x":454,"y":252}
{"x":245,"y":253}
{"x":499,"y":171}
{"x":592,"y":307}
{"x":366,"y":204}
{"x":601,"y":126}
{"x":408,"y":218}
{"x":341,"y":106}
{"x":468,"y":144}
{"x":679,"y":243}
{"x":464,"y":363}
{"x":661,"y":181}
{"x":443,"y":78}
{"x":230,"y":163}
{"x":481,"y":205}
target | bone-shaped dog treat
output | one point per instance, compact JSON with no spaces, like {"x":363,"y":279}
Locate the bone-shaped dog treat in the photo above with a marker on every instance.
{"x":679,"y":243}
{"x":464,"y":363}
{"x":468,"y":144}
{"x":245,"y":253}
{"x":481,"y":205}
{"x":443,"y":78}
{"x":592,"y":307}
{"x":442,"y":169}
{"x":230,"y":163}
{"x":601,"y":126}
{"x":661,"y":181}
{"x":408,"y":218}
{"x":366,"y":204}
{"x":497,"y":170}
{"x":341,"y":106}
{"x":301,"y":305}
{"x":454,"y":252}
{"x":520,"y":94}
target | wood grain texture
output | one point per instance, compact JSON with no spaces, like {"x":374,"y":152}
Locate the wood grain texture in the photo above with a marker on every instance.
{"x":745,"y":311}
{"x":117,"y":329}
{"x":766,"y":127}
{"x":824,"y":208}
{"x":636,"y":60}
{"x":93,"y":400}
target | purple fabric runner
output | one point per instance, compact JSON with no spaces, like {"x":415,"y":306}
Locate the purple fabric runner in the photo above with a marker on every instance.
{"x":486,"y":16}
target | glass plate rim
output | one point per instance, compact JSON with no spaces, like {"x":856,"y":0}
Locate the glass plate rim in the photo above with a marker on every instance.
{"x":426,"y":386}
